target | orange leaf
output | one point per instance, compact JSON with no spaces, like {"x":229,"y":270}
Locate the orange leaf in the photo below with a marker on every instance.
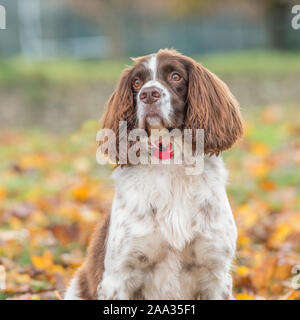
{"x":259,"y":149}
{"x":291,"y":295}
{"x":43,"y":262}
{"x":242,"y":271}
{"x":3,"y":193}
{"x":244,"y":296}
{"x":267,"y":185}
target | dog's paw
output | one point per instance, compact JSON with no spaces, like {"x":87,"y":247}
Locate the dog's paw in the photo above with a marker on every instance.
{"x":111,"y":289}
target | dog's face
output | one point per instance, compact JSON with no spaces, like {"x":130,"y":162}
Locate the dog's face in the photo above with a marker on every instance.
{"x":159,"y":86}
{"x":169,"y":90}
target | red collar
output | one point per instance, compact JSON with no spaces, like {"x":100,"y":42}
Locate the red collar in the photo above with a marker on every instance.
{"x":163,"y":153}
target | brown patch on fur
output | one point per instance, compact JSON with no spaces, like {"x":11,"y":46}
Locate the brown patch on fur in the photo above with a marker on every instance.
{"x":138,"y":294}
{"x":90,"y":274}
{"x":212,"y":107}
{"x":120,"y":107}
{"x":153,"y":209}
{"x":143,"y":259}
{"x":188,"y":267}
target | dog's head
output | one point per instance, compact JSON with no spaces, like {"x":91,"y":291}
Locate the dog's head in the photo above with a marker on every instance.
{"x":169,"y":90}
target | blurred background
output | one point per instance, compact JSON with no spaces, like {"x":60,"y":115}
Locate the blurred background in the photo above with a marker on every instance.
{"x":59,"y":63}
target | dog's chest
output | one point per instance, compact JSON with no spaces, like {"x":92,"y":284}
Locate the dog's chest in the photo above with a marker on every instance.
{"x":163,"y":202}
{"x":175,"y":228}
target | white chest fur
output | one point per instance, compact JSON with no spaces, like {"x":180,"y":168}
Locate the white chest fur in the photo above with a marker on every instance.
{"x":170,"y":234}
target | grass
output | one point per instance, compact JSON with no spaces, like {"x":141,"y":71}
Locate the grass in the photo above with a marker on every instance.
{"x":51,"y":185}
{"x":258,"y":63}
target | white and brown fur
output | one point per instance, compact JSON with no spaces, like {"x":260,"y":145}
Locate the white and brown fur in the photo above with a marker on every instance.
{"x":169,"y":235}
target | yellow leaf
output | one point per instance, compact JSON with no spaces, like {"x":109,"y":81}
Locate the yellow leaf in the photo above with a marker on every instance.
{"x":243,"y":240}
{"x":259,"y":149}
{"x":3,"y":193}
{"x":247,"y":215}
{"x":43,"y":262}
{"x":15,"y":223}
{"x":279,"y":235}
{"x":56,"y":268}
{"x":244,"y":296}
{"x":80,"y":192}
{"x":259,"y":169}
{"x":242,"y":271}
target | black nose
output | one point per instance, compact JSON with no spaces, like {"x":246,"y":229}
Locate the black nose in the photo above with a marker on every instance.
{"x":149,"y":95}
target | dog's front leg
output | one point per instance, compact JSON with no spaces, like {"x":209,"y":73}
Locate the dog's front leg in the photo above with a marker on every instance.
{"x":219,"y":288}
{"x":130,"y":251}
{"x":113,"y":287}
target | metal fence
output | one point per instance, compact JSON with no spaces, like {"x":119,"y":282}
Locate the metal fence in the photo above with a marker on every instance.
{"x":40,"y":29}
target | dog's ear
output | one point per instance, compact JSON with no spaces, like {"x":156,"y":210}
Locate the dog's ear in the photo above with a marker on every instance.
{"x":120,"y":107}
{"x":212,"y":107}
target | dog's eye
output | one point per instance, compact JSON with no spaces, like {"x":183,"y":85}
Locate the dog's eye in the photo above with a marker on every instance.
{"x":176,"y":76}
{"x":136,"y":83}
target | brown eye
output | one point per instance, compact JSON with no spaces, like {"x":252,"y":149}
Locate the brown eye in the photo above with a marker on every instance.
{"x":136,"y":83}
{"x":176,"y":76}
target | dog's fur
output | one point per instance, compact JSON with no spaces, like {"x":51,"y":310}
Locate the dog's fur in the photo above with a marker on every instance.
{"x":169,"y":235}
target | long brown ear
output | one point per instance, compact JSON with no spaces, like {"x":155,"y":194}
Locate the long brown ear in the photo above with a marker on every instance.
{"x":212,"y":107}
{"x":120,"y":107}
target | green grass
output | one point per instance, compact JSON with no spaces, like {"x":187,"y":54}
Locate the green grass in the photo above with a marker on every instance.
{"x":259,"y":63}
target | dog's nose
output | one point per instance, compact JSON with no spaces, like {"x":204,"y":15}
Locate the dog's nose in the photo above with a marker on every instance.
{"x":149,"y":95}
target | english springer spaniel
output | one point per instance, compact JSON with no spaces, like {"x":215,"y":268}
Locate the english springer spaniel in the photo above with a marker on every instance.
{"x":170,"y":235}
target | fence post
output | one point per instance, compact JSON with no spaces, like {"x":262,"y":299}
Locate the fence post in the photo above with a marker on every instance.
{"x":2,"y":17}
{"x":30,"y":30}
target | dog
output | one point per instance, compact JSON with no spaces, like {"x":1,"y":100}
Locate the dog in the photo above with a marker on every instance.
{"x":169,"y":235}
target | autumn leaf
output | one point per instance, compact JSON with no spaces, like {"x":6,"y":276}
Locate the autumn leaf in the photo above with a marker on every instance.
{"x":242,"y":271}
{"x":44,"y":261}
{"x":3,"y":193}
{"x":279,"y":235}
{"x":80,"y":192}
{"x":244,"y":296}
{"x":52,"y":195}
{"x":259,"y":169}
{"x":259,"y":149}
{"x":291,"y":295}
{"x":267,"y":185}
